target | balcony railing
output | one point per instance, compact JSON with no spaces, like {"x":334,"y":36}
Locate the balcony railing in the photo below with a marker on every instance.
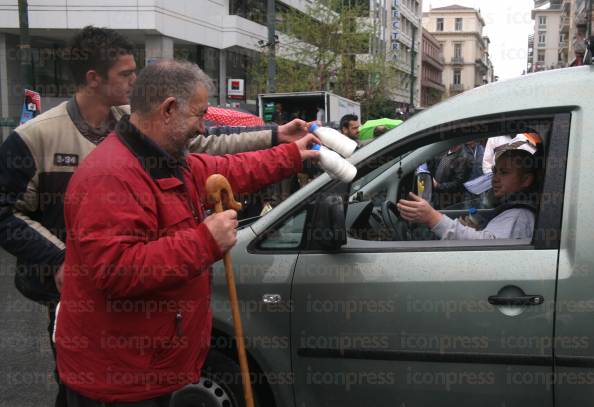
{"x":457,"y":61}
{"x":562,"y":44}
{"x":564,"y":23}
{"x":456,"y":87}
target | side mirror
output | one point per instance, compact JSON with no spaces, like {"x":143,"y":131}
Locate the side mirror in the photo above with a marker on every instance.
{"x":327,"y":225}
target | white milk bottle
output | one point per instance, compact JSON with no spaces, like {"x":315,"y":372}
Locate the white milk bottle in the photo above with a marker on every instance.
{"x":334,"y":140}
{"x":336,"y":166}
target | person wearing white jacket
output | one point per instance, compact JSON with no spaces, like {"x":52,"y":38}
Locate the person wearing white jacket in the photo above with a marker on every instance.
{"x":513,"y":181}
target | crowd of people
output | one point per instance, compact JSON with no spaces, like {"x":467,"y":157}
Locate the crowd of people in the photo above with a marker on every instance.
{"x":101,"y":201}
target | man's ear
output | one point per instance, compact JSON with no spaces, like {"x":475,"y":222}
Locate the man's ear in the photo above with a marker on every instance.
{"x":167,"y":107}
{"x":93,"y":78}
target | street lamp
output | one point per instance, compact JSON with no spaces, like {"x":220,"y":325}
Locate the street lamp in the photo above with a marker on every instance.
{"x":272,"y":41}
{"x":413,"y":55}
{"x":25,"y":45}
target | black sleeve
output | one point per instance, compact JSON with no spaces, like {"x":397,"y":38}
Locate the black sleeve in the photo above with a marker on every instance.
{"x":20,"y":234}
{"x":461,"y":172}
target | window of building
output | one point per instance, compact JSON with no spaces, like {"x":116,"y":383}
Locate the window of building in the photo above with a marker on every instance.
{"x":541,"y":56}
{"x":542,"y":37}
{"x":439,"y":26}
{"x":206,"y":58}
{"x":253,"y":10}
{"x":542,"y":20}
{"x":51,"y":74}
{"x":458,"y":26}
{"x":457,"y":77}
{"x":457,"y":50}
{"x":562,"y":37}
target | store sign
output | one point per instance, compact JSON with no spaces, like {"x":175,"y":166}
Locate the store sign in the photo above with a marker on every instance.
{"x":31,"y":106}
{"x":395,"y":28}
{"x":235,"y":88}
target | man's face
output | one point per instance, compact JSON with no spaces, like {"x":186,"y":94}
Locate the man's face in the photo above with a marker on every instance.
{"x":509,"y":178}
{"x":352,"y":130}
{"x":117,"y":86}
{"x":187,"y":123}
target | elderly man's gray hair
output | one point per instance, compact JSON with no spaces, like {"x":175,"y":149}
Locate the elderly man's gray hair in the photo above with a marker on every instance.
{"x":168,"y":78}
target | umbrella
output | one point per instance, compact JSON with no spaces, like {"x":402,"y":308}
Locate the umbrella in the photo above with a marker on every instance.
{"x":366,"y":131}
{"x":230,"y":117}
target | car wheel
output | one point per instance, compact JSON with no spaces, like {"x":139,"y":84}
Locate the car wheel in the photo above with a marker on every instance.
{"x":220,"y":385}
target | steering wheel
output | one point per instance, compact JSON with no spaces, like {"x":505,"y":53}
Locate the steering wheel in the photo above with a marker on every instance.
{"x":423,"y":185}
{"x":398,"y":227}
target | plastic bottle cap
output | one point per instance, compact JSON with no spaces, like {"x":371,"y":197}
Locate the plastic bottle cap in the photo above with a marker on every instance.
{"x":313,"y":127}
{"x":472,"y":211}
{"x":315,"y":147}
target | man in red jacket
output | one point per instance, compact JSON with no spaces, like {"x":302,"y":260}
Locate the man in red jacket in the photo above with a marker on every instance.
{"x":134,"y":322}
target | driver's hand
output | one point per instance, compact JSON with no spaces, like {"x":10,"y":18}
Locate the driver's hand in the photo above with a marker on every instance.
{"x":418,"y":210}
{"x":465,"y":220}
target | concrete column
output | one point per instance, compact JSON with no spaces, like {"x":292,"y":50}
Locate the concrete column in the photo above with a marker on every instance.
{"x":4,"y":85}
{"x":222,"y":77}
{"x":158,"y":47}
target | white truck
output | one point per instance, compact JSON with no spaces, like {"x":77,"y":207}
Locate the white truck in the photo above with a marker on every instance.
{"x":305,"y":106}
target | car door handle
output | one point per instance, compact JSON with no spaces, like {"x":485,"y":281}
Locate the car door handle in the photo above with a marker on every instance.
{"x":519,"y":300}
{"x":271,"y":298}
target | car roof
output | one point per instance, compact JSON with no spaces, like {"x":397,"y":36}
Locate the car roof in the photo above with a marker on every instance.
{"x":564,"y":87}
{"x":555,"y":88}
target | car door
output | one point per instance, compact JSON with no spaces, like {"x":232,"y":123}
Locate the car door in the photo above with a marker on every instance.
{"x":574,"y":330}
{"x":387,"y":323}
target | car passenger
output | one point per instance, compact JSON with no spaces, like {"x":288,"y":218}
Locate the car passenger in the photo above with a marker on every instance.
{"x":514,"y":185}
{"x":451,"y":170}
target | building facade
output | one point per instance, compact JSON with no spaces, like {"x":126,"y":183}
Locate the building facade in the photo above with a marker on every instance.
{"x":224,"y":37}
{"x":575,"y":13}
{"x":432,"y":62}
{"x":404,"y":44}
{"x":549,"y":44}
{"x":560,"y":31}
{"x":465,"y":49}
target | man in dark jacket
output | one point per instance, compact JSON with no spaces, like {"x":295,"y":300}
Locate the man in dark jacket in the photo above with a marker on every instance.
{"x":137,"y":235}
{"x":451,"y":171}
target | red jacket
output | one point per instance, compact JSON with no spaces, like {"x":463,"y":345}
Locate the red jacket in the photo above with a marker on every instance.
{"x":134,"y":319}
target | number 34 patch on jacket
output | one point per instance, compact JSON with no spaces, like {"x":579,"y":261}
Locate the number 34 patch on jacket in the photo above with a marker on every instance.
{"x":69,"y":160}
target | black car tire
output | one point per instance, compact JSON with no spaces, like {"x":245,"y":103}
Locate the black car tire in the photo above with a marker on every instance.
{"x":220,"y":385}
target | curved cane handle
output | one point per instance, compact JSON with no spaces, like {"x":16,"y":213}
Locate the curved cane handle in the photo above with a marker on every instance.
{"x":220,"y":193}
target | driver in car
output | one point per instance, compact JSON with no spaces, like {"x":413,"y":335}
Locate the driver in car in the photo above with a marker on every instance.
{"x":514,"y":187}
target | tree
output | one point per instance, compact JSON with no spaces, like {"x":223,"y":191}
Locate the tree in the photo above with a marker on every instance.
{"x":327,"y":47}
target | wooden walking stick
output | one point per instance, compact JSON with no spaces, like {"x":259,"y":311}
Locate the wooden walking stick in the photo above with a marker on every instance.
{"x":219,"y":192}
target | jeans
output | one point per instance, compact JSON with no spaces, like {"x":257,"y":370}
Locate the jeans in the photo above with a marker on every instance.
{"x":76,"y":400}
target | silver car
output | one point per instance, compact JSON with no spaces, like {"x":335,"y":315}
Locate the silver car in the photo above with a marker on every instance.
{"x":345,"y":304}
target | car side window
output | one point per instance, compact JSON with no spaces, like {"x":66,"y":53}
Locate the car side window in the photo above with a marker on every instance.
{"x":287,"y":236}
{"x":454,"y":173}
